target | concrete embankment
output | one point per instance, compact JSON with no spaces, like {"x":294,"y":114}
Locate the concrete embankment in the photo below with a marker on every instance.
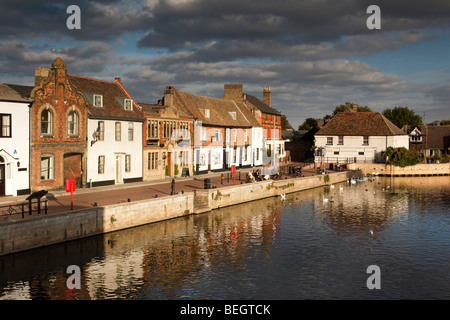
{"x":432,"y":169}
{"x":35,"y":232}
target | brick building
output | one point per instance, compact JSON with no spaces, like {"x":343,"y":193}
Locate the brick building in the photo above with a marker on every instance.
{"x":167,"y":142}
{"x":268,"y":117}
{"x":58,"y":143}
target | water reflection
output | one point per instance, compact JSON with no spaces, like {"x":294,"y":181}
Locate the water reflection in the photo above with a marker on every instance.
{"x":300,"y":248}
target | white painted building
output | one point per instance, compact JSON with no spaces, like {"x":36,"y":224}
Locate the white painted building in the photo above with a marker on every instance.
{"x":357,"y":137}
{"x":14,"y":139}
{"x":114,"y":131}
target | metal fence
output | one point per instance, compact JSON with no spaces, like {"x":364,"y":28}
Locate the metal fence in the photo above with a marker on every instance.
{"x":23,"y":209}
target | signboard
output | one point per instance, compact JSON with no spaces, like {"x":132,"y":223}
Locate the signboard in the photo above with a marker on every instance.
{"x":70,"y":185}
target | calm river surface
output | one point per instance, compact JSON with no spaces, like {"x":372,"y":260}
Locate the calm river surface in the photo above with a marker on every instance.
{"x":299,"y":248}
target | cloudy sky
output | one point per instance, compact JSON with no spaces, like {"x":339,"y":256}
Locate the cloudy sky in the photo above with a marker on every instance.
{"x":314,"y":54}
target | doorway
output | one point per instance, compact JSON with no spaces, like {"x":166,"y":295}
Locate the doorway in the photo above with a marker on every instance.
{"x":73,"y":168}
{"x":2,"y":178}
{"x":119,"y":175}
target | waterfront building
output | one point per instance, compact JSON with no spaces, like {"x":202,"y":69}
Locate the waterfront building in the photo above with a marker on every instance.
{"x":15,"y":106}
{"x":268,"y":117}
{"x":167,"y":142}
{"x":83,"y":128}
{"x":222,"y":132}
{"x":431,"y":140}
{"x":357,"y":137}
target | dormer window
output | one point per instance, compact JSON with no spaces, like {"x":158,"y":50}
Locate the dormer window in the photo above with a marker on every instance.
{"x":232,"y":114}
{"x":206,"y":112}
{"x":98,"y":100}
{"x":128,"y":104}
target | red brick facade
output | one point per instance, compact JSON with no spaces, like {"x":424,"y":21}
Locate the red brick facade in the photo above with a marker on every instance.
{"x":58,"y":131}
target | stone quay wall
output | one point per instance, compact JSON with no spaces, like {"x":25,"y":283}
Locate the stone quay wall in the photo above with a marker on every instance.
{"x":35,"y":232}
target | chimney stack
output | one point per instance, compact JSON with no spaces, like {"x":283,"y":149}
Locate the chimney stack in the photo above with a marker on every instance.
{"x":233,"y":92}
{"x":40,"y":74}
{"x":168,"y":96}
{"x":266,"y":96}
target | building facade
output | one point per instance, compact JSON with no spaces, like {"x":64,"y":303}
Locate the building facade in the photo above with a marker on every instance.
{"x":82,"y":128}
{"x":15,"y":106}
{"x":168,"y":142}
{"x":357,"y":137}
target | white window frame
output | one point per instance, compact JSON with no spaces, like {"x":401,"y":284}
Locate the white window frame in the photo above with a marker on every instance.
{"x":98,"y":103}
{"x":49,"y":174}
{"x":118,"y":131}
{"x":128,"y":104}
{"x":72,"y":122}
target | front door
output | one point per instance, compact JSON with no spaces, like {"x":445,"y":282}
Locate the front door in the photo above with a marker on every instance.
{"x":72,"y":168}
{"x":119,"y":178}
{"x":2,"y":179}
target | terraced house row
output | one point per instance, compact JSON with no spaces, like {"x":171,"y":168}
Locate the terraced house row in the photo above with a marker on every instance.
{"x":92,"y":130}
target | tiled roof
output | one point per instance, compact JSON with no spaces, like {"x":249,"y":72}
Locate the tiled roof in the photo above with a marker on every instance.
{"x":14,"y":92}
{"x":434,"y":137}
{"x":360,"y":124}
{"x":219,"y":110}
{"x":261,"y":105}
{"x":113,"y":94}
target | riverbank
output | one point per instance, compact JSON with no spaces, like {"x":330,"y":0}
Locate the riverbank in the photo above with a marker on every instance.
{"x":431,"y":169}
{"x":39,"y":231}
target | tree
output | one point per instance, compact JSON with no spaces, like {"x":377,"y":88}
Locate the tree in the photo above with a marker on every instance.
{"x":402,"y":157}
{"x":285,"y":125}
{"x":343,"y":108}
{"x":401,"y":116}
{"x":308,"y":124}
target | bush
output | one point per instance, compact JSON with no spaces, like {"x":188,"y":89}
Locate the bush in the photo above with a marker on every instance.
{"x":167,"y":171}
{"x":402,"y":157}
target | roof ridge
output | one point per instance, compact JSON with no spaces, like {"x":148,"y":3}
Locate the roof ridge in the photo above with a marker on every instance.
{"x":94,"y":79}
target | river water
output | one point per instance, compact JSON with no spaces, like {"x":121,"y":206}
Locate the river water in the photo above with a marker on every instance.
{"x":303,"y":247}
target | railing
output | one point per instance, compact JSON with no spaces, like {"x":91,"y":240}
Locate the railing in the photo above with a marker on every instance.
{"x":23,"y":209}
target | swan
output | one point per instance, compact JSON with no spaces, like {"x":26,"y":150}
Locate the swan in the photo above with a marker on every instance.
{"x":325,"y":199}
{"x":341,"y":188}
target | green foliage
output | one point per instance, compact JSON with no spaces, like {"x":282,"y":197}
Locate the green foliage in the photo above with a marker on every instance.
{"x":401,"y":116}
{"x":176,"y":170}
{"x":326,"y":179}
{"x":402,"y":157}
{"x":167,"y":171}
{"x":308,"y":124}
{"x":285,"y":123}
{"x":342,"y":108}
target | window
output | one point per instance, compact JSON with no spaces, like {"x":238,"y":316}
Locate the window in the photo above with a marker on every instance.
{"x":234,"y":154}
{"x":336,"y":153}
{"x":227,"y":133}
{"x":46,"y":168}
{"x":127,"y":163}
{"x":72,"y":122}
{"x":341,"y":140}
{"x":5,"y":124}
{"x":101,"y":164}
{"x":152,"y":131}
{"x":232,"y":114}
{"x":128,"y":104}
{"x":118,"y":131}
{"x":152,"y":160}
{"x":185,"y":158}
{"x":360,"y":153}
{"x":207,"y":113}
{"x":234,"y":135}
{"x":257,"y":153}
{"x":184,"y":130}
{"x":46,"y":122}
{"x":130,"y":131}
{"x":245,"y":153}
{"x":169,"y":127}
{"x":329,"y":140}
{"x":245,"y":135}
{"x":365,"y":140}
{"x":101,"y":130}
{"x":98,"y":100}
{"x":217,"y":135}
{"x":203,"y":134}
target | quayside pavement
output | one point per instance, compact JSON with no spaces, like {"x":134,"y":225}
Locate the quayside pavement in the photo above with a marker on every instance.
{"x":59,"y":201}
